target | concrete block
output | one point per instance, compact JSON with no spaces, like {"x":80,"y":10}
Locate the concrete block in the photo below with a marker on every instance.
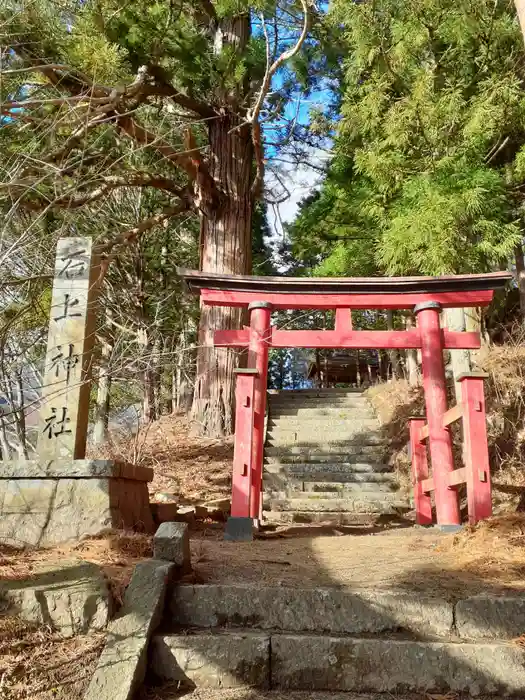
{"x":122,"y":664}
{"x":491,"y":617}
{"x":239,"y":529}
{"x":390,"y":666}
{"x":228,"y":660}
{"x":328,"y":610}
{"x":172,"y":543}
{"x":71,"y":597}
{"x":47,"y":511}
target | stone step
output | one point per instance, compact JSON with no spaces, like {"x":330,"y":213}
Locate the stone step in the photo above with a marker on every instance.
{"x":319,"y":404}
{"x":332,"y":440}
{"x":336,"y":663}
{"x":347,"y":427}
{"x":381,"y":503}
{"x":289,"y":393}
{"x":294,"y":488}
{"x":310,"y":414}
{"x":347,"y":494}
{"x":351,"y":423}
{"x":341,"y":472}
{"x":321,"y":610}
{"x":351,"y":453}
{"x":338,"y":519}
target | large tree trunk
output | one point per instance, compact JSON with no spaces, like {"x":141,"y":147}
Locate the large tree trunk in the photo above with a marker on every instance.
{"x":520,"y":9}
{"x":226,"y":248}
{"x":520,"y":275}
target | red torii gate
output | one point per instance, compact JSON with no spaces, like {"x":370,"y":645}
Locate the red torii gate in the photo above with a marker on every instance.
{"x":427,"y":296}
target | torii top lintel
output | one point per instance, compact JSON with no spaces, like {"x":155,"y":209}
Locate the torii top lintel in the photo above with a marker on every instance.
{"x":344,"y":292}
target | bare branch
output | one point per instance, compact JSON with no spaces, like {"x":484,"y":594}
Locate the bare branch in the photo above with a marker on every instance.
{"x":253,"y":114}
{"x":131,"y":234}
{"x":17,"y":281}
{"x":110,"y":182}
{"x":32,"y":69}
{"x":58,"y":101}
{"x":271,"y":69}
{"x":164,"y":89}
{"x":209,"y":9}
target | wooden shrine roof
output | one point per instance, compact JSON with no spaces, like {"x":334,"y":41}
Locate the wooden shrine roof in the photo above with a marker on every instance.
{"x":197,"y":281}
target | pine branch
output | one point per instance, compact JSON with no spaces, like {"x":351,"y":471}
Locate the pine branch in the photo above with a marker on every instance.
{"x":164,"y":89}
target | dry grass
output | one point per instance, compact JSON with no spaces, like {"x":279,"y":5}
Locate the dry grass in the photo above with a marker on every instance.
{"x":394,"y":403}
{"x":493,"y":549}
{"x":116,"y":553}
{"x":37,"y":664}
{"x":505,"y":392}
{"x":192,"y":469}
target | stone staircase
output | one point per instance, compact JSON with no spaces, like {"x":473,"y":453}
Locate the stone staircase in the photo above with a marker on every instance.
{"x":334,"y":639}
{"x":323,"y":460}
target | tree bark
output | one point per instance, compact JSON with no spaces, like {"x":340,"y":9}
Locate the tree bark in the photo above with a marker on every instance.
{"x":412,"y":369}
{"x":460,"y":361}
{"x":393,"y":354}
{"x":520,"y":9}
{"x":225,"y":238}
{"x":520,"y":277}
{"x":100,"y":430}
{"x":226,"y":248}
{"x":181,"y":389}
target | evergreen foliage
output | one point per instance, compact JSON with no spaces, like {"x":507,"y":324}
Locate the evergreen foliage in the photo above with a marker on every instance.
{"x":427,"y":176}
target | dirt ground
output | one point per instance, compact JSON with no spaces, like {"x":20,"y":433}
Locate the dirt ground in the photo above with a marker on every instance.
{"x":490,"y":557}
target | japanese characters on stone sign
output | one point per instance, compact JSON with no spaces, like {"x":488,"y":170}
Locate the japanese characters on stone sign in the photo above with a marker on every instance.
{"x":65,"y":393}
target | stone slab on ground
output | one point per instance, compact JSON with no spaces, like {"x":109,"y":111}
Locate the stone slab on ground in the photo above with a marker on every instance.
{"x":321,"y":610}
{"x":172,"y":543}
{"x":71,"y":597}
{"x":228,"y":660}
{"x":390,"y":665}
{"x":122,"y":664}
{"x":483,"y":616}
{"x":47,"y":511}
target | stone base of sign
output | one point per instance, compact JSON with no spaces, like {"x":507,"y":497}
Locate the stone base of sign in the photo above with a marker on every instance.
{"x":44,"y":503}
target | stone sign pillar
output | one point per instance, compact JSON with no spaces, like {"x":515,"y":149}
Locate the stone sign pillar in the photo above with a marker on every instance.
{"x":60,"y":495}
{"x":64,"y":412}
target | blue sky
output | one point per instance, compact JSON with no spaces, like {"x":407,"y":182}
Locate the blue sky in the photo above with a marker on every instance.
{"x":299,"y":180}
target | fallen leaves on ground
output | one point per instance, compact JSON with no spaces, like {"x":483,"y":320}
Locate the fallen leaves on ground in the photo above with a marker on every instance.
{"x":37,"y":664}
